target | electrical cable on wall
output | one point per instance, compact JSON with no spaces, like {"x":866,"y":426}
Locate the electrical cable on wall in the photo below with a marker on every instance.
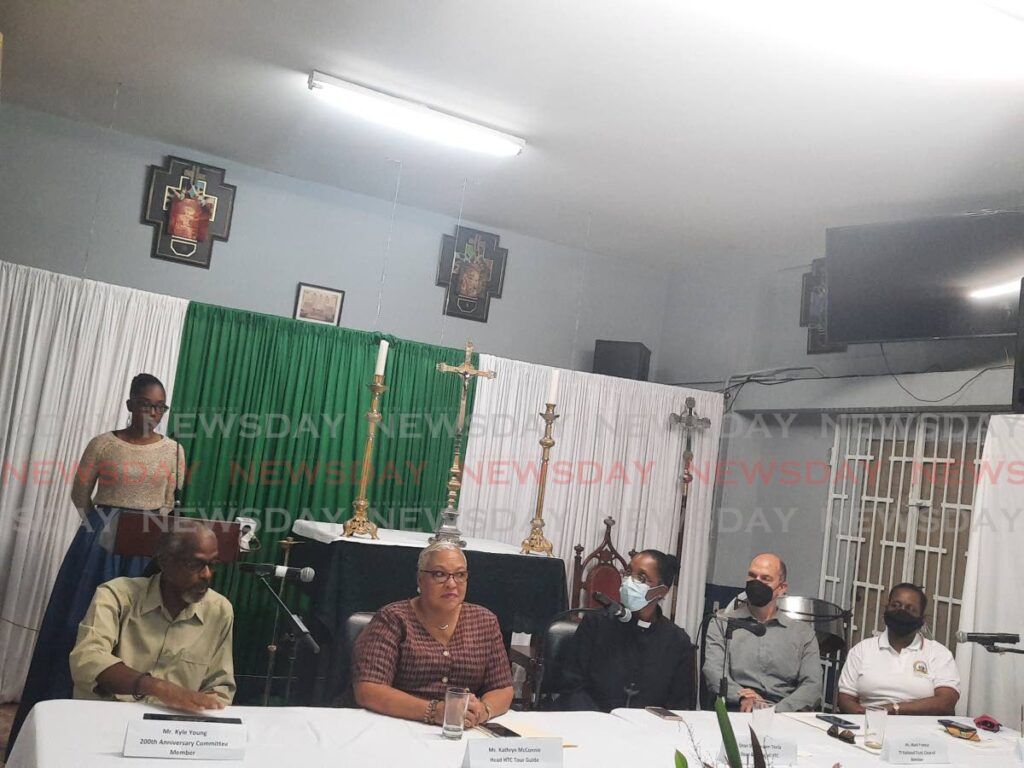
{"x":387,"y":246}
{"x":956,"y":391}
{"x":579,"y":294}
{"x":458,"y":226}
{"x":99,"y":187}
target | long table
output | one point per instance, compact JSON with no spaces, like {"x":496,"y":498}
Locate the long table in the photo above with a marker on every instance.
{"x":90,"y":734}
{"x":357,"y":574}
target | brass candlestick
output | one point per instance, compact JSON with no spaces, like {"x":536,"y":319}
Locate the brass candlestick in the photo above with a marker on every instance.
{"x":536,"y":542}
{"x":359,"y":524}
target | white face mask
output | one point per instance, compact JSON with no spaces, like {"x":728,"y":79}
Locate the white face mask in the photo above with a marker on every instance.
{"x":633,"y":594}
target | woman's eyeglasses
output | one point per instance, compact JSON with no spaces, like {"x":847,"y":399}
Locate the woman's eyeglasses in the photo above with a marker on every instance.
{"x":441,"y":577}
{"x":642,"y":578}
{"x":145,"y":405}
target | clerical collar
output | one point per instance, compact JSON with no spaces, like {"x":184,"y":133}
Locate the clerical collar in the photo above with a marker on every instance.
{"x":643,"y":624}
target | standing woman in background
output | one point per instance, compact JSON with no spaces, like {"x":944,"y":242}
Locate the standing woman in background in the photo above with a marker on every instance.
{"x":134,"y":468}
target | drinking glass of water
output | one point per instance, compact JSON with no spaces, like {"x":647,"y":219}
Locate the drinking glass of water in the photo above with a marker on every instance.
{"x":456,"y":700}
{"x":874,"y":726}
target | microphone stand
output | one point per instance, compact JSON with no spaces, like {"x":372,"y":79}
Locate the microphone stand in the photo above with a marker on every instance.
{"x":295,"y":634}
{"x":723,"y":684}
{"x":993,"y":648}
{"x":272,"y":648}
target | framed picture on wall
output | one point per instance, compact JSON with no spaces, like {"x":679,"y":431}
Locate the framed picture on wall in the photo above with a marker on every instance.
{"x":318,"y":304}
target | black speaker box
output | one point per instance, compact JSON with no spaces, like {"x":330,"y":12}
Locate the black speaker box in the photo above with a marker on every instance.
{"x":625,"y":359}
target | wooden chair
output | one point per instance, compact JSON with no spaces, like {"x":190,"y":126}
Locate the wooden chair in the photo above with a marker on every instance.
{"x":600,"y":571}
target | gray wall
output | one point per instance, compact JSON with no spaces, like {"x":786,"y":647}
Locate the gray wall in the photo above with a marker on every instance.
{"x":71,"y":201}
{"x":773,"y":487}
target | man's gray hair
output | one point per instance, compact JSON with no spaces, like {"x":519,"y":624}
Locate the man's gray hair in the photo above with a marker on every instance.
{"x":438,"y":546}
{"x":181,"y":538}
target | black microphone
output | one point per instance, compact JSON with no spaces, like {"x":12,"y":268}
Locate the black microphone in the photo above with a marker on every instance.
{"x":613,"y":609}
{"x":304,"y":575}
{"x":987,"y":638}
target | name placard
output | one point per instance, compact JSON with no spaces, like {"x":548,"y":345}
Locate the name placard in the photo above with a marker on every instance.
{"x":185,"y":741}
{"x":533,"y":752}
{"x":777,"y":751}
{"x":910,"y":749}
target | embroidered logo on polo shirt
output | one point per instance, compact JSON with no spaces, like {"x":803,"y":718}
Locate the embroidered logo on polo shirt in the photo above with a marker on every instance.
{"x":920,"y":668}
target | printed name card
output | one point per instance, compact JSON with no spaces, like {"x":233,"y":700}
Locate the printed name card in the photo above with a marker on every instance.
{"x":510,"y":752}
{"x":910,"y":749}
{"x":185,"y":740}
{"x":777,"y":751}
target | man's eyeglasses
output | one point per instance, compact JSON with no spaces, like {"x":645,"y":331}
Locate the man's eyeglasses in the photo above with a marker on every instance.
{"x":195,"y":565}
{"x":145,"y":405}
{"x":441,"y":577}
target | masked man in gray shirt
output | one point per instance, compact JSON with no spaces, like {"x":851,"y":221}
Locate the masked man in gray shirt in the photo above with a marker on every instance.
{"x":781,"y":665}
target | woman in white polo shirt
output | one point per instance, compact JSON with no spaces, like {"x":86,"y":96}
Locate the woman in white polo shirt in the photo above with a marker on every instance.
{"x":900,"y":669}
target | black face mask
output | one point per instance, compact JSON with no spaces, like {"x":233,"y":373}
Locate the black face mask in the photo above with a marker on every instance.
{"x":759,"y":594}
{"x":901,"y":623}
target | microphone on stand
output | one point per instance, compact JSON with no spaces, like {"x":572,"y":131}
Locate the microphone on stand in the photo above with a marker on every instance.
{"x":751,"y":625}
{"x":614,"y":609}
{"x":987,"y":638}
{"x":305,"y":575}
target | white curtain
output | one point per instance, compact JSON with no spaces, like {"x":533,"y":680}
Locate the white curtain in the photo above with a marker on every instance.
{"x":68,"y":351}
{"x":994,"y":684}
{"x":616,"y":454}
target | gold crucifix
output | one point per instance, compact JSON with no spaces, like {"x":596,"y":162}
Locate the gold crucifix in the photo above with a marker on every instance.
{"x":448,"y":528}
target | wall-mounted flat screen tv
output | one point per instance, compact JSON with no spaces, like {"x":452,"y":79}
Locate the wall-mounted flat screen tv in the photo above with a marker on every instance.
{"x":949,"y":277}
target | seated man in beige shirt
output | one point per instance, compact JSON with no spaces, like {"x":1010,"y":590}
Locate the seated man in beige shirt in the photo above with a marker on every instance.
{"x":166,"y":637}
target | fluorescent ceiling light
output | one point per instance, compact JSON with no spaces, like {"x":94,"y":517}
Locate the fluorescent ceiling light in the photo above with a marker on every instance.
{"x":1003,"y":289}
{"x":412,"y":118}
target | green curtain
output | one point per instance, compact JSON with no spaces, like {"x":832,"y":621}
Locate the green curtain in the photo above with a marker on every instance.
{"x":271,"y":413}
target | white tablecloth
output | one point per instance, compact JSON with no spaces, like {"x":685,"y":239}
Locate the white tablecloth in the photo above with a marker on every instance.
{"x":815,"y":748}
{"x":90,"y":734}
{"x":327,"y":533}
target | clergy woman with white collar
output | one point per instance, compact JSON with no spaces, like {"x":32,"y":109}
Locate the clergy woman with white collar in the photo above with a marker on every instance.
{"x":646,"y":661}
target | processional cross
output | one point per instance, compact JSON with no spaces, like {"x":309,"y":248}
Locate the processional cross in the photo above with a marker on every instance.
{"x":690,"y":423}
{"x":448,"y":530}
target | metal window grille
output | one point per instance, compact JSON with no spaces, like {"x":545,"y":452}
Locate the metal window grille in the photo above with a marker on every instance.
{"x":899,"y":510}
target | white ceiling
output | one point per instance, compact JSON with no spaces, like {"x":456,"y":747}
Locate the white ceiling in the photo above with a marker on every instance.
{"x":660,"y":129}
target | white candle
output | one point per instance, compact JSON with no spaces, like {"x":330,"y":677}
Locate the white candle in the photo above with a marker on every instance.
{"x":382,"y":358}
{"x":553,"y":387}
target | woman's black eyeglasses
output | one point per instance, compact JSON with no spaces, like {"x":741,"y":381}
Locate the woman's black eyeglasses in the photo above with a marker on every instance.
{"x":441,"y":577}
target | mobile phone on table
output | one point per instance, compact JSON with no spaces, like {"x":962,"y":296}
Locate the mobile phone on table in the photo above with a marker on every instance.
{"x":497,"y":729}
{"x":960,"y":726}
{"x":664,"y":714}
{"x":833,"y":720}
